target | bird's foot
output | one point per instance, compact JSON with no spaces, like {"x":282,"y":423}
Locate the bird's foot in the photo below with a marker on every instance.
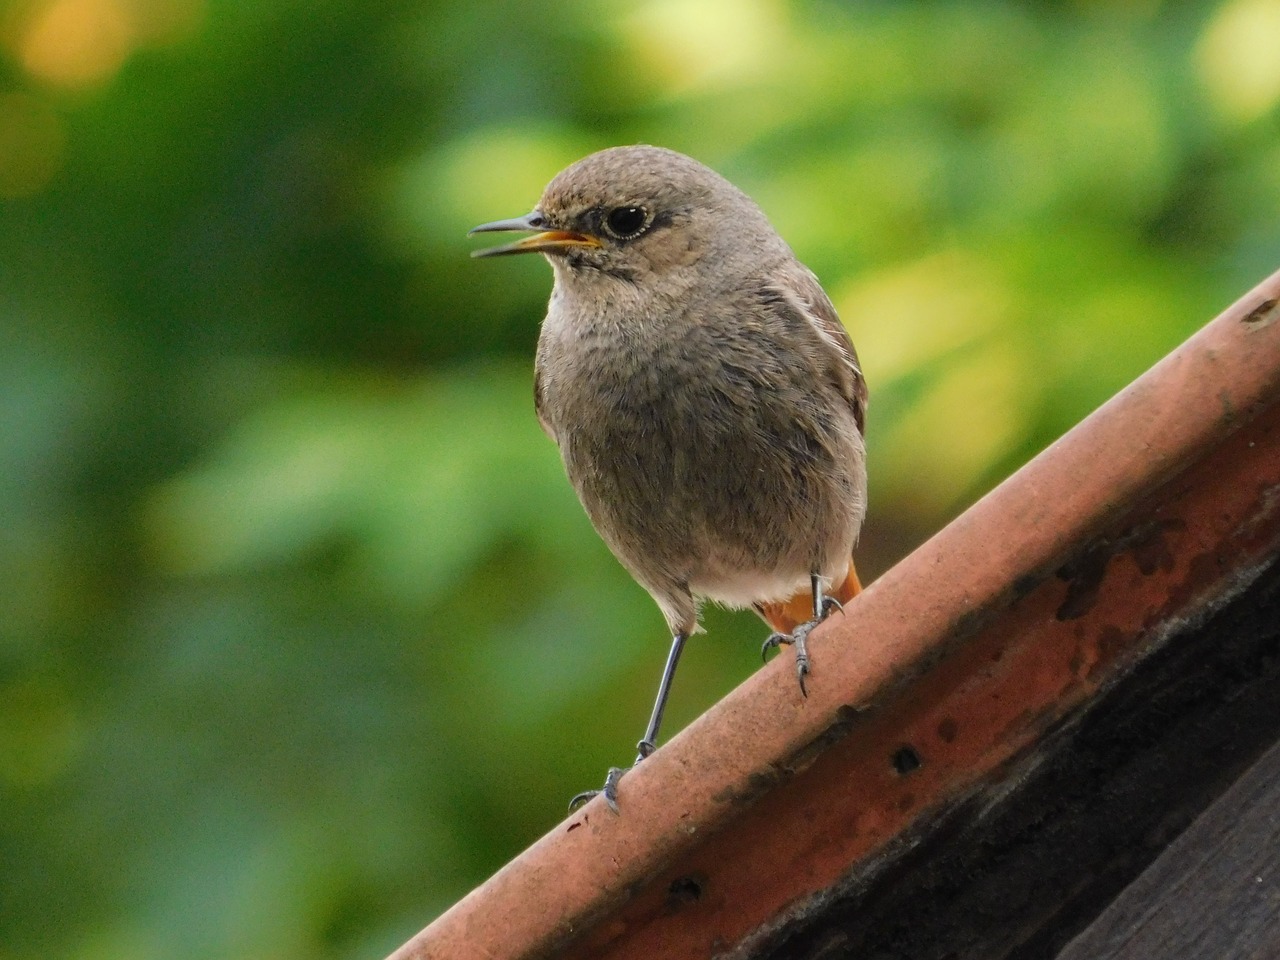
{"x":796,"y":638}
{"x":830,"y":605}
{"x":610,"y":789}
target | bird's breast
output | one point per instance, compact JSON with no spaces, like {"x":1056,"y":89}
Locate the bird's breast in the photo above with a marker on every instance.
{"x":702,"y":446}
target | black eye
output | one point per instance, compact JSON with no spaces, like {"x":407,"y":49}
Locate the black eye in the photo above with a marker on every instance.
{"x":626,"y":222}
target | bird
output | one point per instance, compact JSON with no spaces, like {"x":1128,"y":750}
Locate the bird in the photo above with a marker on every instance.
{"x":708,"y":403}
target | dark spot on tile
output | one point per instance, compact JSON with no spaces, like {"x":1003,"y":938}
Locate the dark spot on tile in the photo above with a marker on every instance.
{"x":1084,"y":576}
{"x":1085,"y":573}
{"x":1266,"y":310}
{"x":685,"y":890}
{"x":1150,"y":546}
{"x":905,"y":760}
{"x":1025,"y":584}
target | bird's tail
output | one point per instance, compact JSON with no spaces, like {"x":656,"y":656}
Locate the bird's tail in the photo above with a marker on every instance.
{"x":785,"y":615}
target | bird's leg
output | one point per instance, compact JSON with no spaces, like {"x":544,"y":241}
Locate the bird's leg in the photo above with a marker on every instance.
{"x":650,"y":742}
{"x":823,"y":606}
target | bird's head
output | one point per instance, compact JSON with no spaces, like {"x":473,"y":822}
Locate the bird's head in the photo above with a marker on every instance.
{"x":635,"y":214}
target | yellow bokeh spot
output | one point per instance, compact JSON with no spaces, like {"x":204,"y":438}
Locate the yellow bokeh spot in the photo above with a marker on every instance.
{"x":81,"y":44}
{"x":939,"y":322}
{"x":705,"y":44}
{"x":907,"y":315}
{"x":1239,"y":58}
{"x":932,"y":457}
{"x":78,"y":43}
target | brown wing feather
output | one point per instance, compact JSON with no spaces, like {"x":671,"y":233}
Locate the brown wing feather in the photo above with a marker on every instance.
{"x":537,"y":403}
{"x":802,"y":289}
{"x":806,"y":297}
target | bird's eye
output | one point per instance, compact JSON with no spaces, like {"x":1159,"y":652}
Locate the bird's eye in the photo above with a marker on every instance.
{"x":626,"y":222}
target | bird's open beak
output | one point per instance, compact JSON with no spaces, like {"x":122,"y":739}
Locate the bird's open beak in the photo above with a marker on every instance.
{"x":547,"y":240}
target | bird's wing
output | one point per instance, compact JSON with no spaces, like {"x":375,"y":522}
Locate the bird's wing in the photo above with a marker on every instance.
{"x":537,"y":402}
{"x":800,"y":292}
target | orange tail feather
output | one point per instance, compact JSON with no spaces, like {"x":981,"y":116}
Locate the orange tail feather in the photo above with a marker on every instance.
{"x":786,"y":615}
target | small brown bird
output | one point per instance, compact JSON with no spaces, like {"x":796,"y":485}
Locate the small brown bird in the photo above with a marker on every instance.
{"x":707,"y":401}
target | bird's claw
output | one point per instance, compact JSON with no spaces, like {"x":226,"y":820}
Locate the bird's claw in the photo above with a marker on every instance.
{"x":802,"y":669}
{"x":772,"y":642}
{"x":797,"y":639}
{"x":609,"y":791}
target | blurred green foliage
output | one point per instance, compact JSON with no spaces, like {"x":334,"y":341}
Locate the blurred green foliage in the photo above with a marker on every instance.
{"x":304,"y":633}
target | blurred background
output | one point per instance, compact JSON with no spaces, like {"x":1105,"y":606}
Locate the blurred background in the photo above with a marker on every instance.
{"x":302,"y":631}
